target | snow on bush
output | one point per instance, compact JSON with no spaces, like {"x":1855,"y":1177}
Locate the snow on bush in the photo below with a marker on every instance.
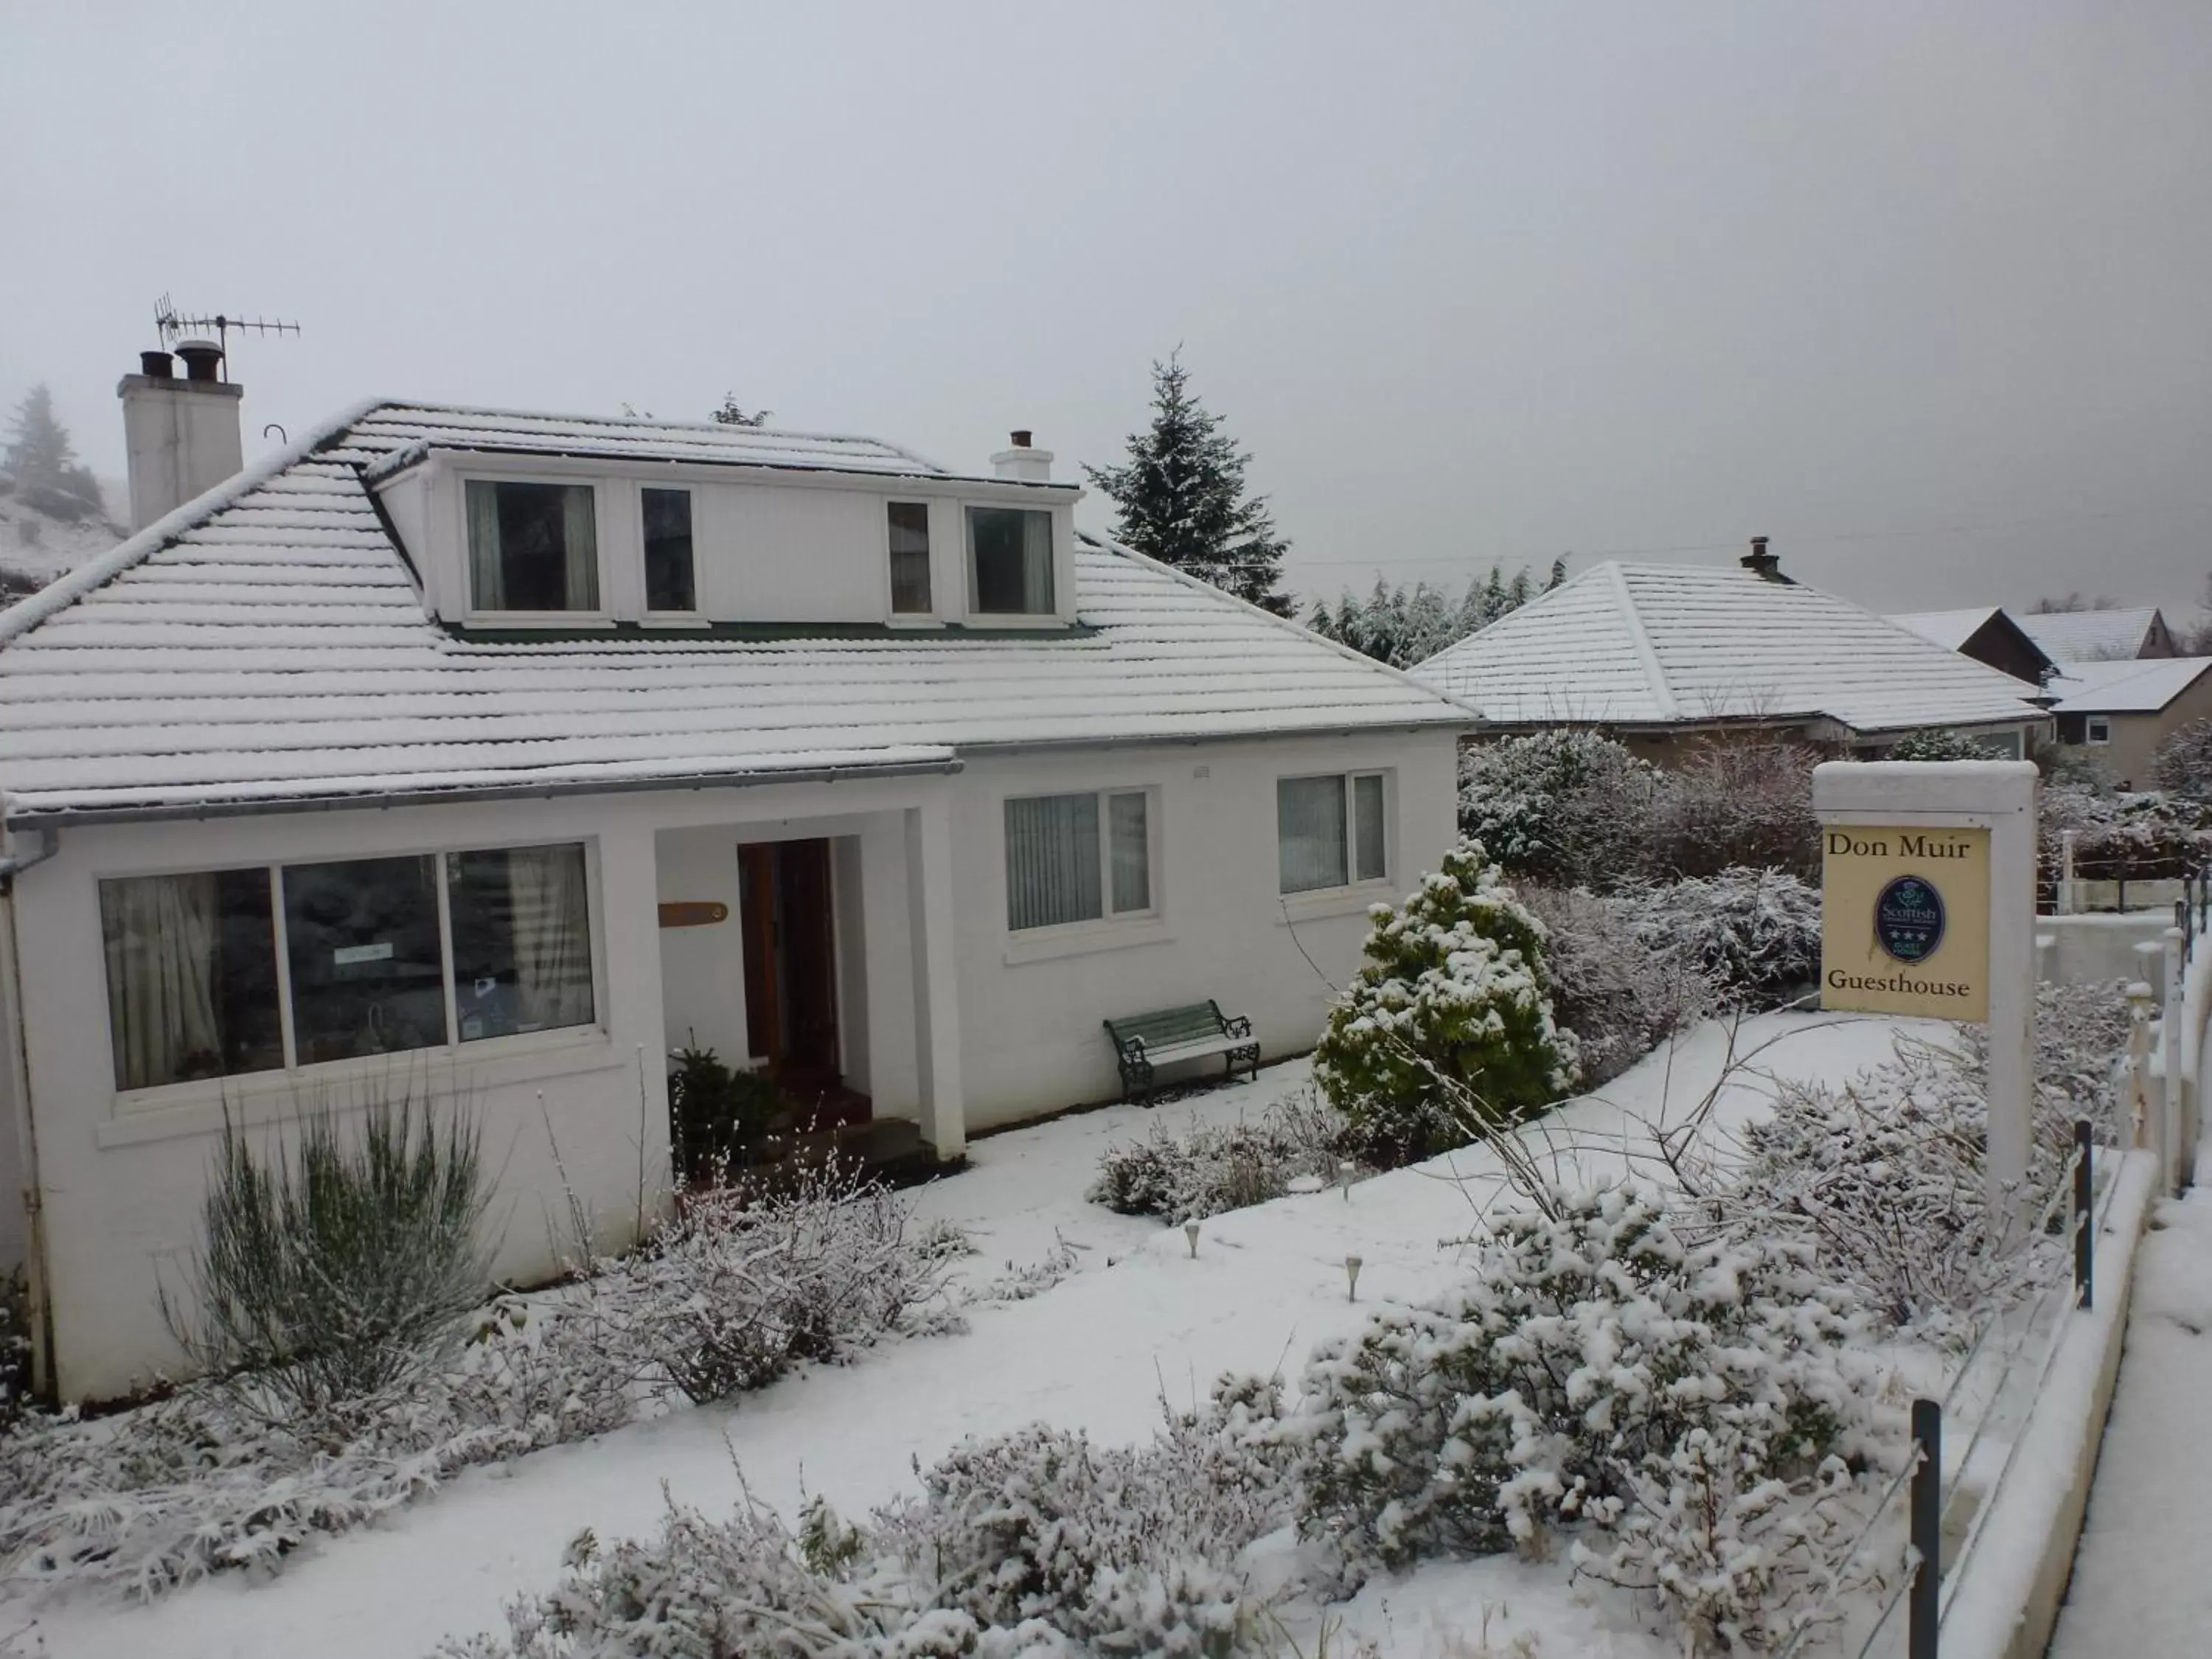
{"x":1755,"y":934}
{"x":1448,"y":1012}
{"x":2120,"y":837}
{"x":1619,"y":993}
{"x":14,"y":1349}
{"x":1566,"y":807}
{"x":1695,"y":1416}
{"x":1033,"y":1545}
{"x":212,"y":1477}
{"x":1203,"y":1170}
{"x":1937,"y":743}
{"x":2183,"y":764}
{"x":1735,"y":804}
{"x":1884,"y":1176}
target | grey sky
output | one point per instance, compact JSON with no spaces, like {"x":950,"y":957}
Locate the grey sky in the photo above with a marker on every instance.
{"x":1472,"y":284}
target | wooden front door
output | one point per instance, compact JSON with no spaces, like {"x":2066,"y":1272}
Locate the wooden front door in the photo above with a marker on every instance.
{"x":791,"y":961}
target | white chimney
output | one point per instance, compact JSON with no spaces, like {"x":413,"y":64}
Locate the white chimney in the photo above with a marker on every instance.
{"x":182,"y":434}
{"x":1022,"y":463}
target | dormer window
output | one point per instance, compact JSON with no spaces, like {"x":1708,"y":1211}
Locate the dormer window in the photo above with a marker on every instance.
{"x":1010,"y":562}
{"x":669,"y":585}
{"x":533,"y":547}
{"x":908,"y":523}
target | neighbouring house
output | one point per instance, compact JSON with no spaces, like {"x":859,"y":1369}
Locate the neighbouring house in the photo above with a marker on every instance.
{"x":1666,"y":657}
{"x":502,"y":753}
{"x":1988,"y":635}
{"x":2066,"y":636}
{"x":2121,"y":711}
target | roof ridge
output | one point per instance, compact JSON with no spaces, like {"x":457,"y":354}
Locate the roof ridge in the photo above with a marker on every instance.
{"x":719,"y":428}
{"x":1646,"y":654}
{"x":25,"y":614}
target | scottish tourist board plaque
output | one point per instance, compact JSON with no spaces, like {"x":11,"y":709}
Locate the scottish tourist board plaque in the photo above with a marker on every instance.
{"x":1904,"y":920}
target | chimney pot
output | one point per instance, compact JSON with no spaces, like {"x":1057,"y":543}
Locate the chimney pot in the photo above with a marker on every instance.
{"x":203,"y":359}
{"x":1023,"y":462}
{"x":1761,"y":562}
{"x":157,"y":365}
{"x":1021,"y":435}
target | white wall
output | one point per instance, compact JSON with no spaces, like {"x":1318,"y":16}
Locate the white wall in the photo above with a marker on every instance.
{"x":2091,"y":949}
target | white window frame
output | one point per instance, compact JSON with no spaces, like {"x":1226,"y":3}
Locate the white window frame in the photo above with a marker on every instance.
{"x":1062,"y":579}
{"x":935,"y":616}
{"x":604,"y":617}
{"x":2097,"y":729}
{"x":292,"y":1073}
{"x":1354,"y":882}
{"x":696,"y":614}
{"x":1108,"y":917}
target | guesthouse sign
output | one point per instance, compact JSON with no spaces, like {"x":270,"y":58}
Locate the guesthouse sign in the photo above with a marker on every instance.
{"x":1904,"y":920}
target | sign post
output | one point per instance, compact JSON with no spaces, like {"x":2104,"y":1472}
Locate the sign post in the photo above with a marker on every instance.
{"x":1928,"y":909}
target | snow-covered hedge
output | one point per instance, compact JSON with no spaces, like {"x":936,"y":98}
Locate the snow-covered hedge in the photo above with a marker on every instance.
{"x":1735,"y":804}
{"x":1034,"y":1545}
{"x":206,"y":1479}
{"x":1755,"y":934}
{"x":1566,"y":807}
{"x":1619,"y":993}
{"x":1448,"y":1015}
{"x":1696,"y":1418}
{"x":1203,"y":1170}
{"x":1937,"y":743}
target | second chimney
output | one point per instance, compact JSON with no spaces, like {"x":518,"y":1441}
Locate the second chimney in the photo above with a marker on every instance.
{"x":1022,"y":462}
{"x":183,"y":435}
{"x":1762,"y":563}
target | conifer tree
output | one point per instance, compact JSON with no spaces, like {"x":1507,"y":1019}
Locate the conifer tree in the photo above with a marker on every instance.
{"x":1181,"y":500}
{"x":41,"y":465}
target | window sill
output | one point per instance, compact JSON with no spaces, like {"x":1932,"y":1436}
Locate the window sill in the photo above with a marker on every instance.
{"x":673,"y":619}
{"x":490,"y":620}
{"x":258,"y":1098}
{"x":1084,"y":939}
{"x":1318,"y":902}
{"x":915,"y":619}
{"x":1040,"y":621}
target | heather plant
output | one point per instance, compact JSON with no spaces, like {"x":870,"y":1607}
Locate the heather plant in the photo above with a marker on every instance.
{"x":1450,"y":1010}
{"x":1203,"y":1170}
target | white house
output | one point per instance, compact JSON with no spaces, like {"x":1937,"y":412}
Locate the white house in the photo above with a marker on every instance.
{"x":504,"y":753}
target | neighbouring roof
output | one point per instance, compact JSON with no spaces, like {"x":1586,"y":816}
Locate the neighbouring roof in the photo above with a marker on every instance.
{"x":1634,"y":644}
{"x":1949,"y":628}
{"x":267,"y":644}
{"x":2131,"y":686}
{"x":2071,"y":637}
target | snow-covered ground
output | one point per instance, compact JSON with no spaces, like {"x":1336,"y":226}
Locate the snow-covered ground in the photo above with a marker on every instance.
{"x":1138,"y":1317}
{"x":2141,"y":1582}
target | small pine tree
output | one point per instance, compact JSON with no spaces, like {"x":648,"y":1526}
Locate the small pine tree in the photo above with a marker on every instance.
{"x":41,"y":465}
{"x":730,"y":414}
{"x":1181,"y":497}
{"x":1449,"y":1016}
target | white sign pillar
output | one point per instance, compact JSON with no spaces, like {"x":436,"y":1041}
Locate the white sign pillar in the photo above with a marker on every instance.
{"x":1910,"y":799}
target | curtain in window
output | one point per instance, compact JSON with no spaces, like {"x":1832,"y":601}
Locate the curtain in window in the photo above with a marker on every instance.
{"x":1037,"y":563}
{"x":552,"y":935}
{"x":1309,"y":832}
{"x":1368,"y":858}
{"x":1052,"y":860}
{"x":1132,"y":853}
{"x":580,"y":539}
{"x":161,"y":932}
{"x":487,"y":574}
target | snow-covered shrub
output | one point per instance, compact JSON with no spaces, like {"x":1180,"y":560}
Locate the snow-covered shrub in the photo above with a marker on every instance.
{"x":747,"y":1282}
{"x":2183,"y":764}
{"x":1448,"y":1015}
{"x":1566,"y":807}
{"x":1666,"y":1403}
{"x":1884,"y":1176}
{"x":1755,"y":934}
{"x":1736,"y":804}
{"x":2121,"y":837}
{"x":1619,"y":993}
{"x":2071,"y":766}
{"x":14,"y":1349}
{"x":1205,"y":1170}
{"x":1937,"y":743}
{"x":339,"y":1268}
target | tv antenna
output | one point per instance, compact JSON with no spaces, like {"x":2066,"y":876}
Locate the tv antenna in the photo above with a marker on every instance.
{"x":173,"y":326}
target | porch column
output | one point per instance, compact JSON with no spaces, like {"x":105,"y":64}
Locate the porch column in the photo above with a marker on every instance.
{"x":936,"y":983}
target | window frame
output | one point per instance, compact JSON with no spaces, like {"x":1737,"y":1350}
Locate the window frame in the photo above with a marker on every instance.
{"x":1108,"y":918}
{"x":1353,"y":882}
{"x":646,"y":609}
{"x":453,"y":1049}
{"x":2090,"y":726}
{"x":475,"y":616}
{"x":1061,"y":581}
{"x":933,"y":616}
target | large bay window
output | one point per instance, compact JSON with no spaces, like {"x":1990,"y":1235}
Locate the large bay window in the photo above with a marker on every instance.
{"x":1010,"y":562}
{"x":1078,"y":857}
{"x":533,"y":547}
{"x":1330,"y":832}
{"x":376,"y":958}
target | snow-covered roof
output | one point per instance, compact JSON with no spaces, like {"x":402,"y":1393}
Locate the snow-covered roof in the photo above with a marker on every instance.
{"x":1949,"y":628}
{"x":2070,"y":636}
{"x":266,"y":643}
{"x":2141,"y":685}
{"x":1636,"y":644}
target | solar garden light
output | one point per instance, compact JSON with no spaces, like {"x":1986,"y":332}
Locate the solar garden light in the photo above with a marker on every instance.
{"x":1352,"y":1278}
{"x":1344,"y":1179}
{"x":1190,"y":1232}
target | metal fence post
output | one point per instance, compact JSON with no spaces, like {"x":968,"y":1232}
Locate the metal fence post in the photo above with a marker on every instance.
{"x":2084,"y":1237}
{"x":1924,"y":1611}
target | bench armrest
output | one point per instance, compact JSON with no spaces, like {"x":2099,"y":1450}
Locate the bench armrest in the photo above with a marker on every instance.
{"x":1237,"y":1025}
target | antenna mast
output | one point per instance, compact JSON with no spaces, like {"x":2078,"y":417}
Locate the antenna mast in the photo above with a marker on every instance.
{"x":172,"y":326}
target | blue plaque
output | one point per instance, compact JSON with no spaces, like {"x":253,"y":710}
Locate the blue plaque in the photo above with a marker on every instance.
{"x":1908,"y":919}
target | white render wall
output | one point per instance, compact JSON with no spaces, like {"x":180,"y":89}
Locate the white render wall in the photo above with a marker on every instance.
{"x":1015,"y":1034}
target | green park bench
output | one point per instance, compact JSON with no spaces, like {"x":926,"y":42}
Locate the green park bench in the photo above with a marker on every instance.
{"x":1143,"y":1042}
